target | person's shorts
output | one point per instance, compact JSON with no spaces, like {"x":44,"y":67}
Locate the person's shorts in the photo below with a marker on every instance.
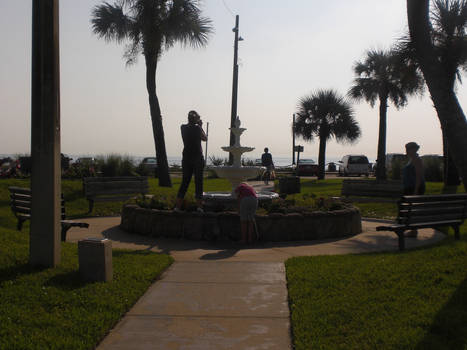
{"x":248,"y":206}
{"x":270,"y":168}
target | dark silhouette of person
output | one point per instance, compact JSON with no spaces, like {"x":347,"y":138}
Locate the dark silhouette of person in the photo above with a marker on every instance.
{"x":266,"y":160}
{"x":413,"y":178}
{"x":192,"y":160}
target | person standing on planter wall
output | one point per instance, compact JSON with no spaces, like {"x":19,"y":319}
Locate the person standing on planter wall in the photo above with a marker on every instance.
{"x":192,"y":160}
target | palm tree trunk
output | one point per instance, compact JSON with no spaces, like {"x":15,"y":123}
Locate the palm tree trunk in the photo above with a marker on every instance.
{"x":157,"y":127}
{"x":381,"y":159}
{"x":445,"y":100}
{"x":321,"y":157}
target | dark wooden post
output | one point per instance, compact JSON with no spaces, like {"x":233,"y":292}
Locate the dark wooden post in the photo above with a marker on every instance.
{"x":44,"y":246}
{"x":233,"y":114}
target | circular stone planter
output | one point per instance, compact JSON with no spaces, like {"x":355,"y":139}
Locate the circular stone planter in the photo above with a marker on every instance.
{"x":226,"y":226}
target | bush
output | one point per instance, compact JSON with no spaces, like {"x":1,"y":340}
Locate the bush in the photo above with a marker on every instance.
{"x":303,"y":204}
{"x":395,"y":173}
{"x":115,"y":165}
{"x":218,"y":161}
{"x":248,"y":162}
{"x":433,"y":169}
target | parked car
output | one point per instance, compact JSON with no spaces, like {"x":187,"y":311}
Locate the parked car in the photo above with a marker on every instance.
{"x":307,"y":167}
{"x":150,"y":163}
{"x":354,"y":165}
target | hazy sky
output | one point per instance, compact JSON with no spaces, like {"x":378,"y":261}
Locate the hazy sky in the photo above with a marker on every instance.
{"x":290,"y":49}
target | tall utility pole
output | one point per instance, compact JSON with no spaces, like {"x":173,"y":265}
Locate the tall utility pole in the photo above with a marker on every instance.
{"x":44,"y":245}
{"x":206,"y":147}
{"x":293,"y":139}
{"x":233,"y":114}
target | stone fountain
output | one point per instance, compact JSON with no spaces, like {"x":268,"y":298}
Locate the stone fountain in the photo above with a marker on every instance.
{"x":236,"y":173}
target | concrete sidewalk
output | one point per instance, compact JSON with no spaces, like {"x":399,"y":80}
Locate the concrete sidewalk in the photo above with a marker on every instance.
{"x":220,"y":295}
{"x":209,"y":305}
{"x":184,"y":250}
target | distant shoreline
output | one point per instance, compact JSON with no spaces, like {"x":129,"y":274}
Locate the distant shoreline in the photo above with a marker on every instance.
{"x":177,"y":160}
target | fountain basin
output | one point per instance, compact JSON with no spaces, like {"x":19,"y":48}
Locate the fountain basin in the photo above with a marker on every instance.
{"x":227,"y":201}
{"x":226,"y":225}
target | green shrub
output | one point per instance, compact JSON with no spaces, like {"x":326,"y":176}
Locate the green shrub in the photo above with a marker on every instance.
{"x":218,"y":161}
{"x":248,"y":162}
{"x":304,"y":204}
{"x":395,"y":173}
{"x":433,"y":169}
{"x":115,"y":165}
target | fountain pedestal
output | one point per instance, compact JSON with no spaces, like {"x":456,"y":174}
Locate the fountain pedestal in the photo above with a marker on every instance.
{"x":236,"y":173}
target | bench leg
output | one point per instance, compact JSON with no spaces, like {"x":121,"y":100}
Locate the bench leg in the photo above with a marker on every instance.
{"x":400,"y":235}
{"x":456,"y":232}
{"x":91,"y":205}
{"x":65,"y":229}
{"x":20,"y":223}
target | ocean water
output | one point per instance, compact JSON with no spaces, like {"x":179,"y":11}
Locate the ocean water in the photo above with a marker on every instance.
{"x":177,"y":160}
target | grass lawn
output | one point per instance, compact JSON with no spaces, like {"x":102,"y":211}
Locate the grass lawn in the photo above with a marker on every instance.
{"x":411,"y":300}
{"x":52,"y":308}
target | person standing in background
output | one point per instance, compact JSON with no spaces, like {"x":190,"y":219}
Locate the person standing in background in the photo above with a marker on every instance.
{"x":413,"y":178}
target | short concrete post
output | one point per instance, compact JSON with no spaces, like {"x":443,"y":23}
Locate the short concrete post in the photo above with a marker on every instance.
{"x":95,"y":259}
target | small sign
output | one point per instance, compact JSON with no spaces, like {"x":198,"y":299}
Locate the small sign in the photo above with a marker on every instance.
{"x":298,"y":149}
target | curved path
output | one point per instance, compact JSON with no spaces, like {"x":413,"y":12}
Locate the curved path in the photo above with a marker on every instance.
{"x":184,"y":250}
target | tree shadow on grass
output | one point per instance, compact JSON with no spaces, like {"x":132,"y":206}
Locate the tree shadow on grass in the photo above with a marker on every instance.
{"x":67,"y":281}
{"x":13,"y":272}
{"x":449,"y":328}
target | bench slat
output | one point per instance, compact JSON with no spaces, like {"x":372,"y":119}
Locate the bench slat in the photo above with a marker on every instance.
{"x":112,"y":198}
{"x":20,"y":190}
{"x":442,"y":198}
{"x":421,"y":219}
{"x":115,"y":178}
{"x":127,"y":191}
{"x":103,"y":188}
{"x":431,"y":211}
{"x":431,"y":224}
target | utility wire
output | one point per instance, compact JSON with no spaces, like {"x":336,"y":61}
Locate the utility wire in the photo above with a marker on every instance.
{"x":228,"y":8}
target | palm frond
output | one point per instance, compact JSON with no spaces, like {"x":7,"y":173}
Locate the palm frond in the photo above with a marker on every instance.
{"x":110,"y":22}
{"x":186,"y":25}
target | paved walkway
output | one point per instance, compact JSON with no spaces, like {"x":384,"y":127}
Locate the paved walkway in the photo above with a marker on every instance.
{"x":222,"y":295}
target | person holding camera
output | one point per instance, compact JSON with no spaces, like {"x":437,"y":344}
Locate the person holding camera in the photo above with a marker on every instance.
{"x":192,"y":160}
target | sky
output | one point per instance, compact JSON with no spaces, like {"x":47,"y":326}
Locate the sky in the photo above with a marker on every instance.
{"x":288,"y":51}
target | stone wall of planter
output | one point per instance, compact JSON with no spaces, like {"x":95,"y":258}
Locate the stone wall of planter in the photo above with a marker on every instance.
{"x":226,"y":226}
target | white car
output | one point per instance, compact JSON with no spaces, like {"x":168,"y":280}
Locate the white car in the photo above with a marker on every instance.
{"x":354,"y":165}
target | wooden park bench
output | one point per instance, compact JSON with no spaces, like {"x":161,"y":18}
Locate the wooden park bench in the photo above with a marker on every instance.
{"x":105,"y":189}
{"x":371,"y":191}
{"x":418,"y":212}
{"x":20,"y":202}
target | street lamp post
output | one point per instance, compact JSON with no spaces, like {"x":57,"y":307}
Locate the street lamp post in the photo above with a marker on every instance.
{"x":44,"y":243}
{"x":293,"y":139}
{"x":233,"y":114}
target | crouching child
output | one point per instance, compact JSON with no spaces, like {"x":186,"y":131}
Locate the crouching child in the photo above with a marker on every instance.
{"x":247,"y":205}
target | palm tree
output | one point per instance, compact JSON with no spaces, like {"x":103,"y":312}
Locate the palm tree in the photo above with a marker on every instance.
{"x":450,"y":113}
{"x":325,"y":114}
{"x":448,"y":33}
{"x":384,"y":77}
{"x":149,"y":27}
